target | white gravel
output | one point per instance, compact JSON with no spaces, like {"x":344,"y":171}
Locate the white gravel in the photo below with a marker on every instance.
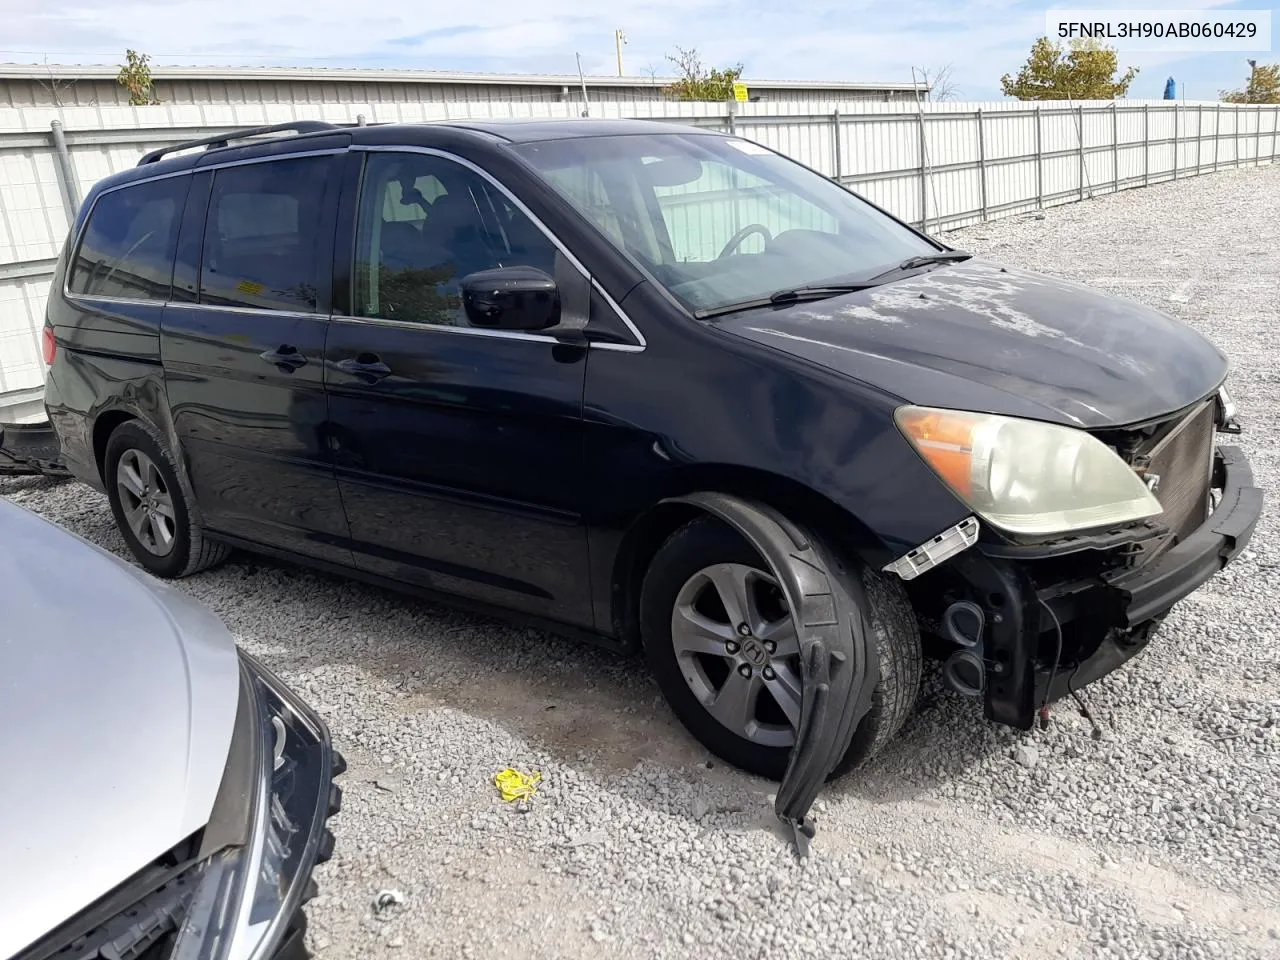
{"x":1162,"y":839}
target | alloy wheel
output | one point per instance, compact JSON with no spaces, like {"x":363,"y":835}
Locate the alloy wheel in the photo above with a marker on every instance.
{"x":738,"y":650}
{"x":146,"y":502}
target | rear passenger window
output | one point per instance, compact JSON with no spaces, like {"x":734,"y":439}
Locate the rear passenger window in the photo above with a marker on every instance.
{"x":262,"y":235}
{"x":127,"y":247}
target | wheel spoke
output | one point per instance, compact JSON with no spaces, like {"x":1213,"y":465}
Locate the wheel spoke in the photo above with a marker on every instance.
{"x":152,"y":474}
{"x":137,"y":519}
{"x":785,"y":688}
{"x":735,"y":703}
{"x":129,"y":478}
{"x":160,"y":532}
{"x":164,"y":506}
{"x":691,"y":632}
{"x":783,"y":633}
{"x":733,"y":583}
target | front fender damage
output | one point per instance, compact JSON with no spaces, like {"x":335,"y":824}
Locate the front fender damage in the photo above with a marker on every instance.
{"x":838,"y":668}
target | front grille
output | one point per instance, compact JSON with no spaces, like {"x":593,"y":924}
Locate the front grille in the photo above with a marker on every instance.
{"x":1183,"y":460}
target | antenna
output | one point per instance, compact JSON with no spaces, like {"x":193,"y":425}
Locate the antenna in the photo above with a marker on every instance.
{"x":586,"y":104}
{"x":619,"y":38}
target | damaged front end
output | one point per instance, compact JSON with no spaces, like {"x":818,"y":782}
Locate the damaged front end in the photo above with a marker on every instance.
{"x":1024,"y":622}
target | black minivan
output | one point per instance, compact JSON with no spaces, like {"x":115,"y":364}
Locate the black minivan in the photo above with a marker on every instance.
{"x":661,"y":387}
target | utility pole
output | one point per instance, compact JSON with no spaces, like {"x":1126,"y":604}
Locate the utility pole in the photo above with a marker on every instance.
{"x":619,"y":38}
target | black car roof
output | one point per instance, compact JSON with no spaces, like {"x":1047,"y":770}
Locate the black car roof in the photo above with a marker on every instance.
{"x":508,"y":130}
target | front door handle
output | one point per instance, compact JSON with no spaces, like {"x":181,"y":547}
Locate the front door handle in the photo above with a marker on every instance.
{"x":286,"y":357}
{"x":367,"y":367}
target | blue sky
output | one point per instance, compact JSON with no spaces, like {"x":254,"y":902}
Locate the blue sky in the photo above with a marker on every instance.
{"x":805,"y":39}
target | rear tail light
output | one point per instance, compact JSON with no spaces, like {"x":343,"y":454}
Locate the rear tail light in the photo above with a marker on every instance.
{"x":49,"y":345}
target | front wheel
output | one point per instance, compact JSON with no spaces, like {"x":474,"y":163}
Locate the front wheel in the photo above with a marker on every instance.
{"x":724,"y":649}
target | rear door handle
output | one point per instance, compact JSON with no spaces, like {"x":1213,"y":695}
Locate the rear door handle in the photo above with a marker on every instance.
{"x":286,"y":357}
{"x":367,"y":367}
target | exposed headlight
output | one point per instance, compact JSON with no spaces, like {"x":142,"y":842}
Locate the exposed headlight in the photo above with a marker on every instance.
{"x":247,"y":894}
{"x":1024,"y":476}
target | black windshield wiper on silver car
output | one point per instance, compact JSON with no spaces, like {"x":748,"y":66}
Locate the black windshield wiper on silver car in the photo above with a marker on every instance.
{"x":913,"y":263}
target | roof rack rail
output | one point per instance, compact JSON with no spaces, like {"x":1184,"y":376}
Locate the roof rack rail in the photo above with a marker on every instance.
{"x":223,"y":139}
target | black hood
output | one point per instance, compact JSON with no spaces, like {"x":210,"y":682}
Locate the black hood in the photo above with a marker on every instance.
{"x":981,"y":337}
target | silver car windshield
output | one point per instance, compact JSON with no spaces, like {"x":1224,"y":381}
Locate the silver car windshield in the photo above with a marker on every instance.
{"x":719,"y":220}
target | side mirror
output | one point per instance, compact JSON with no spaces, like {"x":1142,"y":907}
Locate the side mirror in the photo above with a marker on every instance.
{"x":511,"y":298}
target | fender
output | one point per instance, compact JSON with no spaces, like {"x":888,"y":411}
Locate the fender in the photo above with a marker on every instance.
{"x":838,"y":671}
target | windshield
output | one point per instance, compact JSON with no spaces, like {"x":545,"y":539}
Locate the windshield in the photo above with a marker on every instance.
{"x":719,"y":221}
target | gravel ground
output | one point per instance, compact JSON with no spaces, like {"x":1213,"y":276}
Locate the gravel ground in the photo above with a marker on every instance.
{"x":963,"y":840}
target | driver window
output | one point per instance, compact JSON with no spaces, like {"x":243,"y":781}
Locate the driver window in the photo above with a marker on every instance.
{"x":426,"y":222}
{"x":704,"y":215}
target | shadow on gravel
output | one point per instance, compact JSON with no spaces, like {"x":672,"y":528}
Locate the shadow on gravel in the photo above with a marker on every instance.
{"x":576,"y":702}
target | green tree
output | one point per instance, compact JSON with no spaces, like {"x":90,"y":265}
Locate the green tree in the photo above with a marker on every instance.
{"x":135,"y":76}
{"x":1263,"y":86}
{"x":695,"y":82}
{"x":1085,"y":70}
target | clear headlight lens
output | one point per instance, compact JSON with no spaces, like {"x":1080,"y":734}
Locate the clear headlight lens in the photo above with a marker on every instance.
{"x":1024,"y":476}
{"x":247,"y":894}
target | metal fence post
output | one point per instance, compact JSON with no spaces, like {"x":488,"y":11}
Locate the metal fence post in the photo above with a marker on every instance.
{"x":1257,"y":139}
{"x":1146,"y":145}
{"x":1217,"y":134}
{"x":1176,"y":145}
{"x":835,"y":142}
{"x":1235,"y":128}
{"x":982,"y":167}
{"x":1115,"y":146}
{"x":70,"y":190}
{"x":1199,"y":137}
{"x":1080,"y":133}
{"x":924,"y":176}
{"x":1039,"y":161}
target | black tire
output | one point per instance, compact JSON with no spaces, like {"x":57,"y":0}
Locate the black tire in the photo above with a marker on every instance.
{"x":707,"y":541}
{"x":191,"y":551}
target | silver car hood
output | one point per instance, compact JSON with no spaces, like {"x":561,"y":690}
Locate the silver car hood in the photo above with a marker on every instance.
{"x":117,"y":701}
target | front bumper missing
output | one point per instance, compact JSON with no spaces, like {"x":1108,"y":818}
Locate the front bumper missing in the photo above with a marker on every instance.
{"x":1045,"y":640}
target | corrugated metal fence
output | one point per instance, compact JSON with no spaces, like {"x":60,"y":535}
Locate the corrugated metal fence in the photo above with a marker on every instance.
{"x":937,"y":165}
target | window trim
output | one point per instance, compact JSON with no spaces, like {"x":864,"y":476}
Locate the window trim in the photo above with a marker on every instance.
{"x":515,"y":201}
{"x":637,"y":347}
{"x":68,"y":294}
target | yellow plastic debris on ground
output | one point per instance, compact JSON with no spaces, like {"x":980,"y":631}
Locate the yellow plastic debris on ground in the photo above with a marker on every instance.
{"x":514,"y":785}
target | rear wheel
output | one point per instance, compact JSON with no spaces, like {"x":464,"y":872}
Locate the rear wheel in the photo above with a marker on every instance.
{"x":152,"y":508}
{"x":724,"y":648}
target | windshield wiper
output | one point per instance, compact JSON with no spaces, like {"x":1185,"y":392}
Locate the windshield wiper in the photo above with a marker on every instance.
{"x":816,"y":291}
{"x":822,"y":291}
{"x":912,"y":263}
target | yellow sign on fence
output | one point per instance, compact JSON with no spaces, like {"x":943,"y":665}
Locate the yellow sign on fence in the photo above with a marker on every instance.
{"x":740,"y":92}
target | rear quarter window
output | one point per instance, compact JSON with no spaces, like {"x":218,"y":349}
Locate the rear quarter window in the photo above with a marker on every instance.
{"x":127,"y":247}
